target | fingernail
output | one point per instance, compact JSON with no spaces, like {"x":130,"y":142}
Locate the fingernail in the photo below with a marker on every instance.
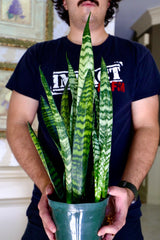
{"x":49,"y":190}
{"x":108,"y":190}
{"x":53,"y":229}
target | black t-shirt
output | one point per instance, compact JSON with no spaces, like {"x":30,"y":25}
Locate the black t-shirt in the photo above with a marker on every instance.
{"x":132,"y":72}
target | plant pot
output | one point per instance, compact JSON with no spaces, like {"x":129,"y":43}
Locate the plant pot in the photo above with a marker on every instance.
{"x":78,"y":221}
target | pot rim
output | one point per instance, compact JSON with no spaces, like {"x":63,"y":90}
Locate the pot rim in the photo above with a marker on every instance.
{"x":77,"y":206}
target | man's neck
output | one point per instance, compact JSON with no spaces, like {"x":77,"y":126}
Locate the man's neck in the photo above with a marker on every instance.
{"x":97,"y":37}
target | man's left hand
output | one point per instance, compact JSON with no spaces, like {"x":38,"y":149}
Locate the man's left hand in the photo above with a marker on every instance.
{"x":116,"y":212}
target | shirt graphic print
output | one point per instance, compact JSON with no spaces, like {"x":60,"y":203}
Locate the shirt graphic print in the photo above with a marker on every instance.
{"x":117,"y":84}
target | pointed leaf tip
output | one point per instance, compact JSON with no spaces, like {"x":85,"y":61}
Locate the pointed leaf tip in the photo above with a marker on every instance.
{"x":86,"y":29}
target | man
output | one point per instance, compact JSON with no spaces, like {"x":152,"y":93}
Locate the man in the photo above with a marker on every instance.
{"x":135,"y":83}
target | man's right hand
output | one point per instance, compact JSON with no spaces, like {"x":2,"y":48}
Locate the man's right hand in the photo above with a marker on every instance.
{"x":45,"y":213}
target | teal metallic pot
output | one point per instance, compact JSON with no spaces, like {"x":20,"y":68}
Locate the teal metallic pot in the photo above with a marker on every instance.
{"x":78,"y":221}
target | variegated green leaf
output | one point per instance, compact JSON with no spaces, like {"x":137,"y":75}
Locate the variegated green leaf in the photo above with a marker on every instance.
{"x":104,"y":170}
{"x":82,"y":138}
{"x":86,"y":61}
{"x":96,"y":118}
{"x":105,"y":127}
{"x":73,"y":83}
{"x":65,"y":109}
{"x":55,"y":179}
{"x":49,"y":122}
{"x":96,"y":158}
{"x":84,"y":125}
{"x":63,"y":138}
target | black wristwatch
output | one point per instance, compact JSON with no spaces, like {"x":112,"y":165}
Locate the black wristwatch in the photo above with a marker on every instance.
{"x":125,"y":184}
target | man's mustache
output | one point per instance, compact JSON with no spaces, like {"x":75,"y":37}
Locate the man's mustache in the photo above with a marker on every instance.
{"x":94,"y":1}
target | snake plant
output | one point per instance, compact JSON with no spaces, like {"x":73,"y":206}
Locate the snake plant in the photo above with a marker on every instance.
{"x":86,"y":124}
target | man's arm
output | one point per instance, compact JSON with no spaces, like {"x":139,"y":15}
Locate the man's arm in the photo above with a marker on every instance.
{"x":145,"y":142}
{"x":23,"y":109}
{"x":141,"y":156}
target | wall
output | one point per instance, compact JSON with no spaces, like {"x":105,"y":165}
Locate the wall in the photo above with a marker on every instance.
{"x":153,"y":196}
{"x":147,"y":29}
{"x":15,"y":195}
{"x":129,"y":12}
{"x":154,"y":32}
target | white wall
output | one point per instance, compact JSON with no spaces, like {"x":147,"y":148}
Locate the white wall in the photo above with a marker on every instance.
{"x":153,"y":196}
{"x":150,"y":18}
{"x":129,"y":12}
{"x":15,"y":194}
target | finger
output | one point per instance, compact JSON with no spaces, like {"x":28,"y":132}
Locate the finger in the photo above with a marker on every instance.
{"x":113,"y":228}
{"x":47,"y":220}
{"x":49,"y":189}
{"x":45,"y":214}
{"x":108,"y":237}
{"x":110,"y":229}
{"x":50,"y":234}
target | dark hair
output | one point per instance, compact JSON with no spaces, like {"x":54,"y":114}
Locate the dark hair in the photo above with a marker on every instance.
{"x":64,"y":13}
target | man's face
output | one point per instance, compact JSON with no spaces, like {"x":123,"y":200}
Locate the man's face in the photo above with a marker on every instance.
{"x":79,"y":10}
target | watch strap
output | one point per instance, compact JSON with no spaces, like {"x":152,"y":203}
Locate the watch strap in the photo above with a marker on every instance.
{"x":132,"y":187}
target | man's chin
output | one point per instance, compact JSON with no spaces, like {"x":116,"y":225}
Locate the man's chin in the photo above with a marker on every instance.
{"x":87,"y":11}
